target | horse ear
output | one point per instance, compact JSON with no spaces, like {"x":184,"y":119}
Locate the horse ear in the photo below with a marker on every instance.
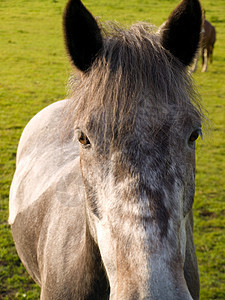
{"x":82,"y":35}
{"x":181,"y":33}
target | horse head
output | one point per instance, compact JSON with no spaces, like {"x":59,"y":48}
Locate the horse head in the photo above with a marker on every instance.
{"x":136,"y":123}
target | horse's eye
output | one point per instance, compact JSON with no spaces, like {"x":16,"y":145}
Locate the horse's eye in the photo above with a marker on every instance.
{"x":195,"y":134}
{"x":83,"y":139}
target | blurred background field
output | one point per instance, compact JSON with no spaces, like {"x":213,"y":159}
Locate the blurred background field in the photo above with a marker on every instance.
{"x":33,"y":73}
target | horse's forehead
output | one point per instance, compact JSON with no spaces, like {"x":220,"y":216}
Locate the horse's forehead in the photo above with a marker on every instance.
{"x":155,"y":131}
{"x":136,"y":121}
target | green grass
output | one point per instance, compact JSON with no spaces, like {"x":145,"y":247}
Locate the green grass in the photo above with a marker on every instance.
{"x":34,"y":71}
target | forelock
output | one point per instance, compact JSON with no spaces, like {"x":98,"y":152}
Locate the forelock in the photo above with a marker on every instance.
{"x":132,"y":73}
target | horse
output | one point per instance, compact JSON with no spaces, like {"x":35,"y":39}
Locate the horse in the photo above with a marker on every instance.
{"x":206,"y":47}
{"x":101,"y":199}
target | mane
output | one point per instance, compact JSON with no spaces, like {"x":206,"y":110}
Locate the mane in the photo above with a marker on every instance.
{"x":132,"y":73}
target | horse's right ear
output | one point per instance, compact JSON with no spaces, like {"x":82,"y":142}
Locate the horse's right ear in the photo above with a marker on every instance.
{"x":82,"y":35}
{"x":181,"y":33}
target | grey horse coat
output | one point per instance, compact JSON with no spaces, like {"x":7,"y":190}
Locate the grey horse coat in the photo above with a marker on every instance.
{"x":112,"y":219}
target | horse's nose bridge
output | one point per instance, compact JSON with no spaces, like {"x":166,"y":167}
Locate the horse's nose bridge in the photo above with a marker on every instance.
{"x":147,"y":233}
{"x":149,"y":201}
{"x":146,"y":238}
{"x":160,"y":283}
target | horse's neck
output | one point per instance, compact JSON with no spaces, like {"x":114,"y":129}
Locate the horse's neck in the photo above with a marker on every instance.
{"x":93,"y":283}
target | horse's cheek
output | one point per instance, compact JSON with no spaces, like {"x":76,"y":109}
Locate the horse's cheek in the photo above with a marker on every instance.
{"x":89,"y":167}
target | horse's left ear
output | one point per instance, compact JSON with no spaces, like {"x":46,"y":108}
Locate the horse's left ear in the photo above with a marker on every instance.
{"x":82,"y":35}
{"x":181,"y":33}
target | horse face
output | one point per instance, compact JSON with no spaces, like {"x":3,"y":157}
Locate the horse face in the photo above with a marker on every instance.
{"x":139,"y":201}
{"x":139,"y":174}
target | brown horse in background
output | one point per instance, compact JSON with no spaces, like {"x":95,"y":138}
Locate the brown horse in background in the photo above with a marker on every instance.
{"x":206,"y":47}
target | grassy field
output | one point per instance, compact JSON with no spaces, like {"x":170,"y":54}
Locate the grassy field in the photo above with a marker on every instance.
{"x":34,"y":71}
